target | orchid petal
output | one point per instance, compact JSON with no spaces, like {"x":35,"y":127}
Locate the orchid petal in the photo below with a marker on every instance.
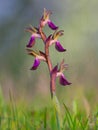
{"x":31,"y":41}
{"x":59,"y":47}
{"x":57,"y":34}
{"x":32,"y":29}
{"x":35,"y":64}
{"x":63,"y":80}
{"x":52,"y":25}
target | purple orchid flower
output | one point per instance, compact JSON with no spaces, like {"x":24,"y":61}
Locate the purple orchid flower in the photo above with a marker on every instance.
{"x":38,"y":57}
{"x":59,"y":73}
{"x":34,"y":34}
{"x":54,"y":39}
{"x":32,"y":40}
{"x":46,"y":20}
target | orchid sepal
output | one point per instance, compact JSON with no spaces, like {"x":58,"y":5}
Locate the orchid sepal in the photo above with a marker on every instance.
{"x":40,"y":55}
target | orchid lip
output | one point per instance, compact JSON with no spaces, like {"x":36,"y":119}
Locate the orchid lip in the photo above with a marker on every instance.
{"x":52,"y":25}
{"x":63,"y":80}
{"x":55,"y":73}
{"x":31,"y":41}
{"x":35,"y":64}
{"x":59,"y":47}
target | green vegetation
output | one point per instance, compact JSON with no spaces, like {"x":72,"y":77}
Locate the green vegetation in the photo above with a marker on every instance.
{"x":18,"y":116}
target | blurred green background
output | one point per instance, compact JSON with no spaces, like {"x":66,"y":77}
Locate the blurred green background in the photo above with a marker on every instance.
{"x":79,"y":20}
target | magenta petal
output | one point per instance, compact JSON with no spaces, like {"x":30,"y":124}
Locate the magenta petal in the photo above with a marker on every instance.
{"x":59,"y":47}
{"x":31,"y":42}
{"x":52,"y":25}
{"x":63,"y":81}
{"x":36,"y":64}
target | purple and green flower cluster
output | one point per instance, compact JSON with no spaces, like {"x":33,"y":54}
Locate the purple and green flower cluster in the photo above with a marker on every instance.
{"x":37,"y":32}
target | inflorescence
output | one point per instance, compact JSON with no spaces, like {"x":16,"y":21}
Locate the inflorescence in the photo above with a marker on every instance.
{"x":56,"y":71}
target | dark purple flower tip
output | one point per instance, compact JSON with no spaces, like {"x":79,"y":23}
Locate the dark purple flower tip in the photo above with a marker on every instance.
{"x":35,"y":64}
{"x":59,"y":47}
{"x":31,"y":41}
{"x":63,"y":80}
{"x":52,"y":25}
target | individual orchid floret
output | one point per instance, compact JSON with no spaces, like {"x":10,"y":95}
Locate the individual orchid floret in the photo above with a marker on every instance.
{"x":59,"y":73}
{"x":34,"y":34}
{"x":54,"y":39}
{"x":38,"y":57}
{"x":63,"y":81}
{"x":46,"y":20}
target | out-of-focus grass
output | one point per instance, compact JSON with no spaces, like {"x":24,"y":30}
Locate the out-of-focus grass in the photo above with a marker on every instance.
{"x":20,"y":116}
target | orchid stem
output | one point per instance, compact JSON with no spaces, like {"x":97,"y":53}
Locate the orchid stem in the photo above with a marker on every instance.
{"x":48,"y":60}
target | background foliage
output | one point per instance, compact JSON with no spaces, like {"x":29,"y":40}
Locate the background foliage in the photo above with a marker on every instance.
{"x":79,"y":21}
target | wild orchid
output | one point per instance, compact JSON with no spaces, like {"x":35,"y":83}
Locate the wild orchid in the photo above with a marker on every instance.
{"x":46,"y":20}
{"x":45,"y":56}
{"x":54,"y":39}
{"x":34,"y":34}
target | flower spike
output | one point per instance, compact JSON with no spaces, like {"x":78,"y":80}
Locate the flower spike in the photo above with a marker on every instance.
{"x":58,"y":70}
